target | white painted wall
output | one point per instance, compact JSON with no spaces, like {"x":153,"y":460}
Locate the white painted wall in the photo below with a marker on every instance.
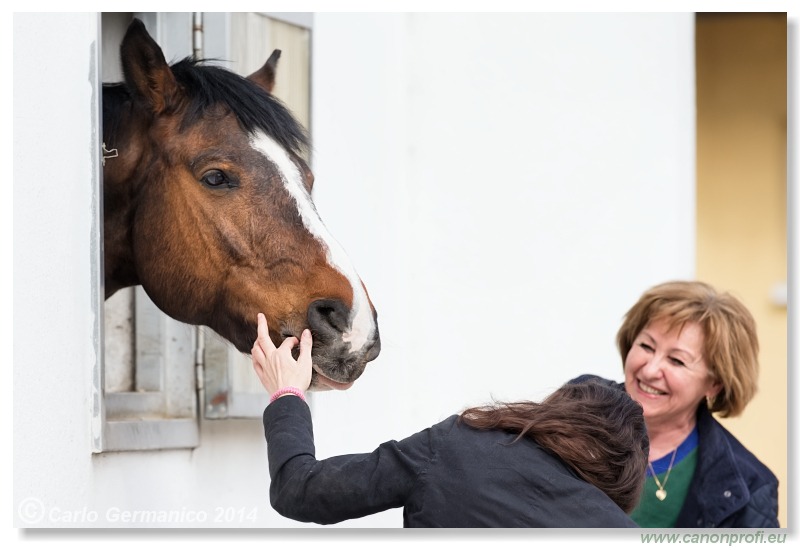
{"x":507,"y":185}
{"x":514,"y":183}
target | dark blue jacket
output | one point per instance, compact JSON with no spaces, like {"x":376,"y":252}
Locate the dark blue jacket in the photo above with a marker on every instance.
{"x":449,"y":475}
{"x":731,"y":487}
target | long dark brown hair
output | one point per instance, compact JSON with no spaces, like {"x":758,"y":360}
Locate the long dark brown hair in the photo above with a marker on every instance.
{"x":598,"y":430}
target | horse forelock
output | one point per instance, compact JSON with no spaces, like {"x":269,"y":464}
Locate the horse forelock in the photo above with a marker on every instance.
{"x":255,"y":109}
{"x":205,"y":86}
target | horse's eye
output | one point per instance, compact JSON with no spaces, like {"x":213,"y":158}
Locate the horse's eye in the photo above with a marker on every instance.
{"x":216,"y":178}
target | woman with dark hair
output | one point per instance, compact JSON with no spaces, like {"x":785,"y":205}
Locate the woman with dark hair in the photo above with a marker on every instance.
{"x":689,"y":351}
{"x":577,"y":459}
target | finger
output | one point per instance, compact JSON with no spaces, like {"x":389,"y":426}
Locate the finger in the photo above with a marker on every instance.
{"x":259,"y":358}
{"x":306,"y":343}
{"x":263,"y":334}
{"x":289,"y":343}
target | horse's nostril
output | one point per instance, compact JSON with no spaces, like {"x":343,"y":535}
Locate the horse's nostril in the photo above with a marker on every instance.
{"x":328,"y":317}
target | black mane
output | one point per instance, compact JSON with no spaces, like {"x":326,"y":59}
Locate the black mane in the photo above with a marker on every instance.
{"x":207,"y":85}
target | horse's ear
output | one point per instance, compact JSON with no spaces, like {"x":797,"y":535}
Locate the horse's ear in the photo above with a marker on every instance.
{"x":265,"y":76}
{"x":146,"y":71}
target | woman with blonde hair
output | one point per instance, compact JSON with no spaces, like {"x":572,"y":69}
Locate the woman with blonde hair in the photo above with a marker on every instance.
{"x":689,"y":351}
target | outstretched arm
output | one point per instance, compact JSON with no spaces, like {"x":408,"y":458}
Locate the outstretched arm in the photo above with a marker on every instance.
{"x":338,"y":488}
{"x":341,"y":487}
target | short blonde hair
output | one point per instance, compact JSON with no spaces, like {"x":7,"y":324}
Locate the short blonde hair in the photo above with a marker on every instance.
{"x":729,"y":335}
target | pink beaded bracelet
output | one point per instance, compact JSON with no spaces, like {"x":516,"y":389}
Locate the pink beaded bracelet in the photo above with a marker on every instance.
{"x":284,"y":391}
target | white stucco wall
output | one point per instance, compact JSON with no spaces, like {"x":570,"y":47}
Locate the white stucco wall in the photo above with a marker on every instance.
{"x":506,"y":185}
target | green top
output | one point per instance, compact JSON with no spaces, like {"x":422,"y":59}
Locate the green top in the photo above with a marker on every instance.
{"x":653,"y":512}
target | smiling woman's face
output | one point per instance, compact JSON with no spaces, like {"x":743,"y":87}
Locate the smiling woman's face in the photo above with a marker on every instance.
{"x":665,"y":371}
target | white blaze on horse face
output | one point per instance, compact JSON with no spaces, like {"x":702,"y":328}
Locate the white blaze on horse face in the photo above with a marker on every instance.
{"x":362,"y":325}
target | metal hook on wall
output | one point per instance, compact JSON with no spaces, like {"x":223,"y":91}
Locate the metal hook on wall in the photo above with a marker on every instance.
{"x":109,"y":154}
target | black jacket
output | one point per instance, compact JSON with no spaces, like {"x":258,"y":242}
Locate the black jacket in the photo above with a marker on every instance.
{"x":449,"y":475}
{"x":731,"y":487}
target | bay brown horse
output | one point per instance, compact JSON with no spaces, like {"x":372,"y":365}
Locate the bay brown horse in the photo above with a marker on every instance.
{"x":208,"y":207}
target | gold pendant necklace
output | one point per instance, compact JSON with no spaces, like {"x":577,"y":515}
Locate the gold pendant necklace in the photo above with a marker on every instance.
{"x":661,"y":493}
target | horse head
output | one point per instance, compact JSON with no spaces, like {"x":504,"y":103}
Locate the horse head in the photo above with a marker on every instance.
{"x":208,"y":206}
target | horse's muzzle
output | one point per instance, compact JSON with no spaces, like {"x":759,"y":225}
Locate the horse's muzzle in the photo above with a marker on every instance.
{"x":340,"y":351}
